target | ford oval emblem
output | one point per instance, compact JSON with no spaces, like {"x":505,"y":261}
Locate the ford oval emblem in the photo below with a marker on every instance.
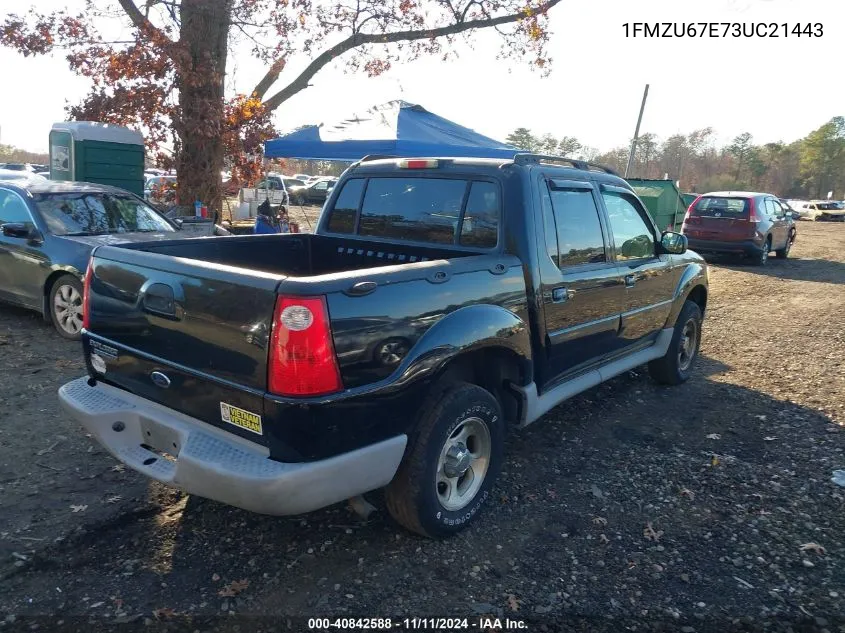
{"x":160,"y":380}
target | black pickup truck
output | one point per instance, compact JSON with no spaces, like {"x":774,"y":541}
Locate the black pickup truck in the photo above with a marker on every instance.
{"x":440,"y":304}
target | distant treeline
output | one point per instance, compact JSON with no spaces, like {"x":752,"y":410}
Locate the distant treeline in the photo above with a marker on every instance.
{"x":807,"y":168}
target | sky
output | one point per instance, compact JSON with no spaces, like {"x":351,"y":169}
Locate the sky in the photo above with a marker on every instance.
{"x":774,"y":88}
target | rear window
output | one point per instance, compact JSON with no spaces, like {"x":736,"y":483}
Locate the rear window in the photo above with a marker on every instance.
{"x":718,"y":207}
{"x":430,"y":210}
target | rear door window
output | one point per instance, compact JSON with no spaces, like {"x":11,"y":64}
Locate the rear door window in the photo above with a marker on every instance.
{"x":721,"y":207}
{"x":576,"y":218}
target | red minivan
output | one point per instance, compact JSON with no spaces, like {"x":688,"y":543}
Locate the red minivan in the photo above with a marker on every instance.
{"x":740,"y":222}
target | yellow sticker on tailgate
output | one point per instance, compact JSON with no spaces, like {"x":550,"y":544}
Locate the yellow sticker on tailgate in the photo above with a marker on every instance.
{"x":242,"y":418}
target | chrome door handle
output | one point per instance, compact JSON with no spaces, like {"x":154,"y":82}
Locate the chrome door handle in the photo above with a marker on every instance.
{"x":559,"y":295}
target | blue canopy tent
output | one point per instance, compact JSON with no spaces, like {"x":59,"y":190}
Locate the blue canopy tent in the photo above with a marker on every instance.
{"x":396,"y":128}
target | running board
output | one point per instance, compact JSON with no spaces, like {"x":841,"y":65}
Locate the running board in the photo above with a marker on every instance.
{"x":536,"y":406}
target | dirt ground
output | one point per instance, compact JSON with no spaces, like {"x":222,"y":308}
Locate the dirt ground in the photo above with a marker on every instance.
{"x":703,"y":507}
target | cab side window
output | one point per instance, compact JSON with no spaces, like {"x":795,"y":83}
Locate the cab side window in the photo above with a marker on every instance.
{"x":633,"y":237}
{"x":13,"y":210}
{"x":575,"y":218}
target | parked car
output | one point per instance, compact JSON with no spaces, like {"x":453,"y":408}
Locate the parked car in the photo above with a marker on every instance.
{"x":826,"y":210}
{"x":312,"y":193}
{"x":512,"y":285}
{"x":790,"y":210}
{"x":740,"y":222}
{"x":18,"y":175}
{"x":303,"y":177}
{"x":47,"y":232}
{"x":160,"y":189}
{"x":25,"y":167}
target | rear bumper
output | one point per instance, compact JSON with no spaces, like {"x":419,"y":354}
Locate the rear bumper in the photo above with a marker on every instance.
{"x":748,"y":247}
{"x":214,"y":464}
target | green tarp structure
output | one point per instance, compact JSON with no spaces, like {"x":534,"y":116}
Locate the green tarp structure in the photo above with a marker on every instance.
{"x":663,"y":201}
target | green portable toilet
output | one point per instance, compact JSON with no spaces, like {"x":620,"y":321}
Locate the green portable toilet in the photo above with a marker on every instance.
{"x":101,"y":153}
{"x":663,"y":201}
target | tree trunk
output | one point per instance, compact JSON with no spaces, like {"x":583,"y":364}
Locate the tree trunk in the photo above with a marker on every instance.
{"x":201,"y":75}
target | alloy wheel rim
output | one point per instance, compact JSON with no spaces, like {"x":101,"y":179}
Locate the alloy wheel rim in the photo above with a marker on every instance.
{"x":463,"y":464}
{"x":67,"y":307}
{"x":689,"y":343}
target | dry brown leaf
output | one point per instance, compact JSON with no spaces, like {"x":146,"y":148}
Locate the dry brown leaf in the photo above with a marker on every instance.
{"x":599,"y":521}
{"x":714,"y":436}
{"x":686,"y":492}
{"x":651,"y":534}
{"x":233,"y":588}
{"x":604,"y":540}
{"x":79,"y":508}
{"x":813,"y":547}
{"x":513,"y":603}
{"x":118,"y":468}
{"x":163,"y":613}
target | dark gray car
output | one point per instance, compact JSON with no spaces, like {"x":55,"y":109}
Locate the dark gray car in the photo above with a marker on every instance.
{"x":47,"y":232}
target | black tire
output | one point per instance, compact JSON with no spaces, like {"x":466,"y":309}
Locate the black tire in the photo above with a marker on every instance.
{"x":66,"y":291}
{"x":763,"y":256}
{"x":415,"y":498}
{"x":673,"y":368}
{"x":783,"y":253}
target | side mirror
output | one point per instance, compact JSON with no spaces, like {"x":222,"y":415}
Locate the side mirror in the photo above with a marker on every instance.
{"x":673,"y":243}
{"x":795,"y":215}
{"x":177,"y":222}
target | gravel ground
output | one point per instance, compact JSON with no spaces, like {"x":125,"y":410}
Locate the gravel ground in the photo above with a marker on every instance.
{"x":704,"y":507}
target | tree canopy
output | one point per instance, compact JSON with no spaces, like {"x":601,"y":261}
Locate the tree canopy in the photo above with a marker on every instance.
{"x":168,"y":76}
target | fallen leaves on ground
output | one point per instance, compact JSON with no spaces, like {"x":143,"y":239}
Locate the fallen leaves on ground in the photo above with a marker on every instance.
{"x":513,"y":603}
{"x":651,"y":534}
{"x":686,"y":492}
{"x":813,"y":547}
{"x":714,"y":436}
{"x":78,"y":508}
{"x":599,"y":521}
{"x":233,"y":588}
{"x":163,"y":613}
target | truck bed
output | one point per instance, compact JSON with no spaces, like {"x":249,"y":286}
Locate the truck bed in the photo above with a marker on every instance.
{"x":297,"y":255}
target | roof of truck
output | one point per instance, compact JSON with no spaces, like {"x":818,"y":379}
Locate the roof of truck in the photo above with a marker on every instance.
{"x":575,"y":167}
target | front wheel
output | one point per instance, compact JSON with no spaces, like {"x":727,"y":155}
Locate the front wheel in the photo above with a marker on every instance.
{"x":675,"y":366}
{"x":66,"y":307}
{"x":451,"y":464}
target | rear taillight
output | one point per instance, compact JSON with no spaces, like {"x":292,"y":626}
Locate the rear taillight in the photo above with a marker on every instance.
{"x":752,"y":211}
{"x":302,"y":360}
{"x":689,"y":218}
{"x":86,"y":295}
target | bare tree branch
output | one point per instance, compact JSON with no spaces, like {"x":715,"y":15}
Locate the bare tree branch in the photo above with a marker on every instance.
{"x":140,"y":21}
{"x":361,"y":39}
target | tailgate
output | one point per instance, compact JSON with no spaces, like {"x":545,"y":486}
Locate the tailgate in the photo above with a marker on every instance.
{"x":184,"y":333}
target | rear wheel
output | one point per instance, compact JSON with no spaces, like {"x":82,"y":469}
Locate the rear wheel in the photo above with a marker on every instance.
{"x":451,"y":464}
{"x":763,"y":256}
{"x":66,"y":307}
{"x":676,"y":366}
{"x":783,"y":253}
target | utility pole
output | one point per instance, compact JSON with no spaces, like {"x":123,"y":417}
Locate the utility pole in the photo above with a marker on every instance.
{"x":636,"y":134}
